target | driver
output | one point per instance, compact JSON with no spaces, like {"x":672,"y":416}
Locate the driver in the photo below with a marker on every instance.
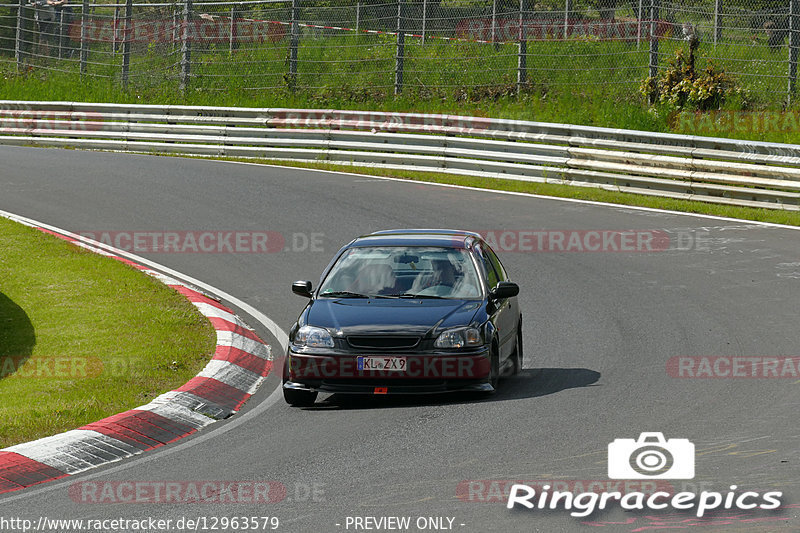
{"x":445,"y":273}
{"x":442,"y":280}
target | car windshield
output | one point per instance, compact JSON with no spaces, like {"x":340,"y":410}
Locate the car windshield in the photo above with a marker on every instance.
{"x":402,"y":272}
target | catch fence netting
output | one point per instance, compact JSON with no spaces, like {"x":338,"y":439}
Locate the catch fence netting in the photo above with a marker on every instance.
{"x":375,"y":46}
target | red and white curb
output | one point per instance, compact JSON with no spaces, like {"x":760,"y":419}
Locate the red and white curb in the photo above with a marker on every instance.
{"x":240,"y":364}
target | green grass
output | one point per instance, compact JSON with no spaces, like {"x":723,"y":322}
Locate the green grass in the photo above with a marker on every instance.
{"x":589,"y":105}
{"x":774,"y":216}
{"x":87,"y":336}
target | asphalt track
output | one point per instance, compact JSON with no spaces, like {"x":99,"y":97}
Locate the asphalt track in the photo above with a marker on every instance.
{"x":599,"y":330}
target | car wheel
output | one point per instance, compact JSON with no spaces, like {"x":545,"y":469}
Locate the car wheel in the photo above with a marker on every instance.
{"x":299,"y":398}
{"x":518,"y":357}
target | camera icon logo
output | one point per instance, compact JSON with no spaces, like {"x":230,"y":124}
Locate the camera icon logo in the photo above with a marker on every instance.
{"x":651,"y":457}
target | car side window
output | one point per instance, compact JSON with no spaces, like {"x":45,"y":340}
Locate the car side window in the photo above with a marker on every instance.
{"x":498,"y":266}
{"x":491,"y":276}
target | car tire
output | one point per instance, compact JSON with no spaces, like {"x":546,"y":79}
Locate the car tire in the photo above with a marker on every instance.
{"x":518,"y":354}
{"x":299,"y":398}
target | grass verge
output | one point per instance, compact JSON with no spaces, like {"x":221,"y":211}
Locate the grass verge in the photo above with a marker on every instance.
{"x":791,"y":218}
{"x":83,"y":336}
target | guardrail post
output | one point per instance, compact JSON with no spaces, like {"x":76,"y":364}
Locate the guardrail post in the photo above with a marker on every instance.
{"x":717,"y":26}
{"x":567,"y":13}
{"x":794,"y":44}
{"x":186,"y":45}
{"x":522,"y":53}
{"x":401,"y":50}
{"x":126,"y":43}
{"x":84,"y":36}
{"x":654,"y":14}
{"x":294,"y":43}
{"x":19,"y":54}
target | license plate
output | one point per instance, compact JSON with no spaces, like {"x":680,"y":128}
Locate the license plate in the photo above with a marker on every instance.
{"x":397,"y":364}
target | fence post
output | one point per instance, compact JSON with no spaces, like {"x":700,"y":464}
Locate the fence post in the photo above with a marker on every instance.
{"x":639,"y":25}
{"x":186,"y":45}
{"x":60,"y":33}
{"x":358,"y":16}
{"x":294,"y":42}
{"x":231,"y":29}
{"x":175,"y":27}
{"x":794,"y":44}
{"x":717,"y":27}
{"x":494,"y":19}
{"x":654,"y":8}
{"x":567,"y":13}
{"x":522,"y":54}
{"x":18,"y":52}
{"x":84,"y":36}
{"x":114,"y":42}
{"x":424,"y":18}
{"x":126,"y":43}
{"x":401,"y":50}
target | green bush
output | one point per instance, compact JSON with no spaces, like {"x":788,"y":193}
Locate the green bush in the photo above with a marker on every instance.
{"x":682,"y":87}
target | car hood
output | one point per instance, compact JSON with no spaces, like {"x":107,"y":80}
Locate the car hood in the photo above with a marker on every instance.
{"x":356,"y":316}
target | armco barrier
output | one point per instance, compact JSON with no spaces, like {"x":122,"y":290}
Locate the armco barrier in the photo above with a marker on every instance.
{"x":725,"y":171}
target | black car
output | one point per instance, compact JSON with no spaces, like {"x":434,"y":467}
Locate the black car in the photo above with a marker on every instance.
{"x":405,"y":312}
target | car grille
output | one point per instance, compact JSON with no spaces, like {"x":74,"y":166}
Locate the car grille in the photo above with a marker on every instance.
{"x":382,"y":342}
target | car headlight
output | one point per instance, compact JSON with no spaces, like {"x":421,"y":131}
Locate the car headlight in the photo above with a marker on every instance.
{"x":458,"y":338}
{"x":312,"y":337}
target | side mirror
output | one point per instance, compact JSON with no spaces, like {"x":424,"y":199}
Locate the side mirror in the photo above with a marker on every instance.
{"x":504,"y":289}
{"x":302,"y":288}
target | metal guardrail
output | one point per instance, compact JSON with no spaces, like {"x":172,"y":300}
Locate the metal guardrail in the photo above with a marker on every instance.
{"x":724,"y":171}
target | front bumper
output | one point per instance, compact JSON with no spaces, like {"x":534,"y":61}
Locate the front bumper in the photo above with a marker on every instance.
{"x":425,"y":373}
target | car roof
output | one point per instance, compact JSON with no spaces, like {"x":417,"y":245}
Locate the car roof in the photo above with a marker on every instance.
{"x":448,"y":238}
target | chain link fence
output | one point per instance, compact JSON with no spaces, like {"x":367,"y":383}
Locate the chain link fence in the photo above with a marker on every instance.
{"x":421,"y":46}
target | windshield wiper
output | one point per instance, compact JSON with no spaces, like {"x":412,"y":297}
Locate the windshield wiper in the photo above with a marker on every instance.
{"x":344,"y":294}
{"x":349,"y":294}
{"x":411,"y":296}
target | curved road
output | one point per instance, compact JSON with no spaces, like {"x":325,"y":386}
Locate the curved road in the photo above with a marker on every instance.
{"x":599,"y":330}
